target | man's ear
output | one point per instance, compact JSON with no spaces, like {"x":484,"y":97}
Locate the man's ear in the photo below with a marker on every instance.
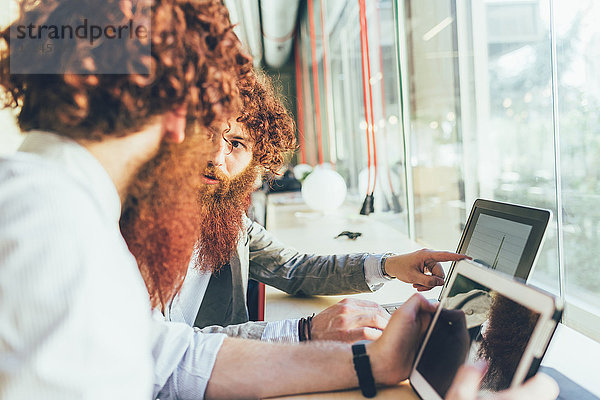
{"x":173,"y":125}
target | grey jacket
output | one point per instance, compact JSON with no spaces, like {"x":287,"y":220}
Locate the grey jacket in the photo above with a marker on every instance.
{"x":261,"y":257}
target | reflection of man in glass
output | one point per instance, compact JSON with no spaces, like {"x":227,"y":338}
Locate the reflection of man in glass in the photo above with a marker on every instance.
{"x":475,"y":304}
{"x":504,"y":339}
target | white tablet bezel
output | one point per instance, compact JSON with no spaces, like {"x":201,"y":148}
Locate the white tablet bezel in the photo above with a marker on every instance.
{"x":535,"y":300}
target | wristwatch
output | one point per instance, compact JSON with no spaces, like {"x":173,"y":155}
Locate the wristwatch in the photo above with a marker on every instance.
{"x":362,"y":366}
{"x":382,"y":265}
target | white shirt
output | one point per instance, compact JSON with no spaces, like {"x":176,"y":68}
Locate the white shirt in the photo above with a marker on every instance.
{"x":184,"y":307}
{"x":75,"y":319}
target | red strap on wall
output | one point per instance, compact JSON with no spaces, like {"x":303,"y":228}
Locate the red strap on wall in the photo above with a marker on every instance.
{"x":315,"y":73}
{"x":367,"y":94}
{"x":365,"y":52}
{"x":325,"y":77}
{"x":299,"y":100}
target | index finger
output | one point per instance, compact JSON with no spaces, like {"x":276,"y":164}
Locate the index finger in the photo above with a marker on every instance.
{"x":441,"y":256}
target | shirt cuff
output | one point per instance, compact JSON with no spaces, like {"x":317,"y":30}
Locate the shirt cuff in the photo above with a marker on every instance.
{"x":373,"y":275}
{"x":184,"y":358}
{"x":284,"y":331}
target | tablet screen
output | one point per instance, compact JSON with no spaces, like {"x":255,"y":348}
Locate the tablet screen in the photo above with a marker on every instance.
{"x":476,"y":323}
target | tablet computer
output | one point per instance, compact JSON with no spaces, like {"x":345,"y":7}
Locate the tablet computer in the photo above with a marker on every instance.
{"x":485,"y":315}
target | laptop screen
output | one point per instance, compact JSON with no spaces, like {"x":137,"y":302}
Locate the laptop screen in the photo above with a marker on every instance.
{"x":505,"y":237}
{"x":498,"y":243}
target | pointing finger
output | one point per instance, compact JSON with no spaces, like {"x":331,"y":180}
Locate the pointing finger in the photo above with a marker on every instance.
{"x":441,"y":256}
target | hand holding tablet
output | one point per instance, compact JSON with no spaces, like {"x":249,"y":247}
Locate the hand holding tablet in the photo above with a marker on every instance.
{"x":484,"y":317}
{"x":468,"y":379}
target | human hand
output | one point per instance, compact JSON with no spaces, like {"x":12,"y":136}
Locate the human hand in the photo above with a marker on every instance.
{"x":422,"y":268}
{"x":467,"y":380}
{"x":392,"y":355}
{"x":350,"y":320}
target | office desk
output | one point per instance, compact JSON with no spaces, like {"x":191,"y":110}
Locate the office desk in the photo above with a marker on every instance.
{"x":570,"y":352}
{"x":293,"y":224}
{"x":401,"y":392}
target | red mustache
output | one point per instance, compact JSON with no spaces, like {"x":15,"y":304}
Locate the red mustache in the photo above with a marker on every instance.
{"x":214,"y":173}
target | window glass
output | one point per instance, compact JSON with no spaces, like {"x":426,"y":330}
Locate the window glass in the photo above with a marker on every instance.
{"x":515,"y":136}
{"x":348,"y":108}
{"x":481,"y":115}
{"x":346,"y":84}
{"x":390,"y":193}
{"x":434,"y":112}
{"x":578,"y":62}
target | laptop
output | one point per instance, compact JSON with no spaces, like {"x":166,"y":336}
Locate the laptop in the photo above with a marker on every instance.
{"x":502,"y":236}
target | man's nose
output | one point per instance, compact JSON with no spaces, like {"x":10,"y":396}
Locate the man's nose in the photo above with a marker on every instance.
{"x":217,"y":157}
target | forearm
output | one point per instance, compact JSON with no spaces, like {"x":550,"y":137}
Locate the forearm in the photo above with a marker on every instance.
{"x":248,"y":330}
{"x":280,"y":266}
{"x":311,"y":274}
{"x":265,"y":370}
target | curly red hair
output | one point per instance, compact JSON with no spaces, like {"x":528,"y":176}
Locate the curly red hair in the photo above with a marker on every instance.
{"x":195,"y":59}
{"x":268,"y":124}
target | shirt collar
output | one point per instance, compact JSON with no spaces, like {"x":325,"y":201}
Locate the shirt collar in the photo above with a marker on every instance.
{"x":77,"y":162}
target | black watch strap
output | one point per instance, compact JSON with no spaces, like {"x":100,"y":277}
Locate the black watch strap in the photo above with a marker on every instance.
{"x":362,"y":365}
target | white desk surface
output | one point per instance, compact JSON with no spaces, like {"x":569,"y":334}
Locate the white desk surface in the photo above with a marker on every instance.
{"x":570,"y":352}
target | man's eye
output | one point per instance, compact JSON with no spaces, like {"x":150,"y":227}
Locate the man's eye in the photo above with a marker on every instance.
{"x":235,"y":144}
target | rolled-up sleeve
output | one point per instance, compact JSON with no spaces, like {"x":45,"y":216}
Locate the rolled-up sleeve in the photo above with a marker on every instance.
{"x":284,"y":268}
{"x":184,"y":359}
{"x":373,"y":272}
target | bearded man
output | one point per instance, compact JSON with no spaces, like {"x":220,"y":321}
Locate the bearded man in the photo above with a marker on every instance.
{"x":232,"y":248}
{"x":91,"y":127}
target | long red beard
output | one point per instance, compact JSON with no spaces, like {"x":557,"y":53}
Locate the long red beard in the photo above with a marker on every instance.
{"x":222,"y":217}
{"x":161,"y":216}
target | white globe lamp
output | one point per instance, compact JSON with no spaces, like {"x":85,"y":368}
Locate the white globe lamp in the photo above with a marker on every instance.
{"x":324,"y":190}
